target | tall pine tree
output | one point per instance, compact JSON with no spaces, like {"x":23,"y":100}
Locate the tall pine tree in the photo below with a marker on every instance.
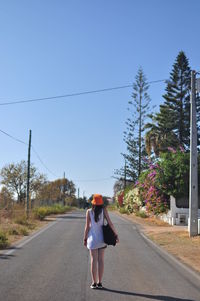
{"x":173,"y":121}
{"x":134,"y":135}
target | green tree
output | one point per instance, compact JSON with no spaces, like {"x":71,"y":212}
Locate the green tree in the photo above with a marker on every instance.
{"x":171,"y":126}
{"x":139,"y":108}
{"x":60,"y":190}
{"x":14,"y":178}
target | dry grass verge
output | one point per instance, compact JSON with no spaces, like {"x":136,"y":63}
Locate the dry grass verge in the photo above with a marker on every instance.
{"x":14,"y":225}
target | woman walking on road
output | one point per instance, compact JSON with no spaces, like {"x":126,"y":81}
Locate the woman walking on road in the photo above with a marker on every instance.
{"x":93,"y":238}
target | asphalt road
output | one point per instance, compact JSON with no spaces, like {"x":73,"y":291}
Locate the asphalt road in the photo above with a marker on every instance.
{"x":54,"y":265}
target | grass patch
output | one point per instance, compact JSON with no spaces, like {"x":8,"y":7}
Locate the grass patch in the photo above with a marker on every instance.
{"x":13,"y":231}
{"x":41,"y":212}
{"x":24,"y":231}
{"x":141,"y":214}
{"x":22,"y":220}
{"x":123,"y":210}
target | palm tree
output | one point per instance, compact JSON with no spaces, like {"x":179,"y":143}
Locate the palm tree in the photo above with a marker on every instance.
{"x":159,"y":138}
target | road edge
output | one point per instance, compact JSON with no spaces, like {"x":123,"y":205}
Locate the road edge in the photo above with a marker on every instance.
{"x":161,"y":250}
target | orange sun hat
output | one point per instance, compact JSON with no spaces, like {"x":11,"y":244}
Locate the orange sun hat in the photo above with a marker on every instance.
{"x":97,"y":200}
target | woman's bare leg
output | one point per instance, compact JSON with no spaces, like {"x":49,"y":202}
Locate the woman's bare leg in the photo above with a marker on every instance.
{"x":100,"y":263}
{"x":94,"y":261}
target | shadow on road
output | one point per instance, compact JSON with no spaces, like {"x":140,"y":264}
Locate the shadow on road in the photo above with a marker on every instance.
{"x":4,"y":256}
{"x":9,"y":256}
{"x":71,"y":217}
{"x":152,"y":297}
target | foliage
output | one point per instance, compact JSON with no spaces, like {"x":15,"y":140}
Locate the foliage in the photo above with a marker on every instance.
{"x":168,"y":175}
{"x":171,"y":126}
{"x":14,"y":177}
{"x":132,"y":202}
{"x":141,"y":214}
{"x":24,"y":231}
{"x":82,"y":203}
{"x":174,"y":178}
{"x":151,"y":195}
{"x":6,"y":198}
{"x":42,"y":212}
{"x":22,"y":220}
{"x":134,"y":134}
{"x":3,"y":240}
{"x":123,"y":210}
{"x":13,"y":231}
{"x":60,"y":190}
{"x":119,"y":198}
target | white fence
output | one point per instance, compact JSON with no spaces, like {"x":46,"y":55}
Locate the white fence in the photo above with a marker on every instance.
{"x":178,"y":216}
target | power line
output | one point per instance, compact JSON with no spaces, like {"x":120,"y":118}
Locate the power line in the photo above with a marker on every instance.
{"x":73,"y":94}
{"x":12,"y":137}
{"x":43,"y":162}
{"x":20,"y":141}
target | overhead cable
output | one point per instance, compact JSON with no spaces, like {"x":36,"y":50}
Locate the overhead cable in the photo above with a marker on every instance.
{"x":20,"y":141}
{"x":73,"y":94}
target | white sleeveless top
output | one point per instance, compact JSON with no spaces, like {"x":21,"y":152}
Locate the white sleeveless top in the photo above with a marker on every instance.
{"x":95,"y":236}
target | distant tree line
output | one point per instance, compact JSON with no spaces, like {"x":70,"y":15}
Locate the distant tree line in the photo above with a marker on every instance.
{"x":42,"y":191}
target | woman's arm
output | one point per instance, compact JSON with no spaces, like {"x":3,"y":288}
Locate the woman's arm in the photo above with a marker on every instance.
{"x":87,"y":227}
{"x":110,"y":223}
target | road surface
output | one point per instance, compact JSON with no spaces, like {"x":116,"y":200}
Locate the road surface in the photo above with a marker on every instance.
{"x":54,"y":265}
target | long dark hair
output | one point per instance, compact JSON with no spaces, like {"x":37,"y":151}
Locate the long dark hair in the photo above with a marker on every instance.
{"x":97,"y":211}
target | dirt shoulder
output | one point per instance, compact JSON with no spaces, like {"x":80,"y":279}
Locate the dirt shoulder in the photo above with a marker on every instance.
{"x":174,"y":239}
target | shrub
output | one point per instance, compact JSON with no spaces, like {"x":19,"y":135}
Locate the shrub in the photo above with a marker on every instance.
{"x":123,"y":210}
{"x":152,"y":196}
{"x":13,"y":231}
{"x":141,"y":214}
{"x":31,"y":226}
{"x":132,"y":201}
{"x":22,"y":220}
{"x":24,"y":231}
{"x":3,"y":240}
{"x":41,"y":212}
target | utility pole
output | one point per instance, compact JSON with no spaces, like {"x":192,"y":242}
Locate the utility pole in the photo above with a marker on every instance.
{"x":28,"y":176}
{"x":78,"y":192}
{"x":125,"y":174}
{"x":63,"y":189}
{"x":193,"y":187}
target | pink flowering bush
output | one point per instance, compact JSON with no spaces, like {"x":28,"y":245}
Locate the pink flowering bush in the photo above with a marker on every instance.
{"x":154,"y":200}
{"x":168,"y":176}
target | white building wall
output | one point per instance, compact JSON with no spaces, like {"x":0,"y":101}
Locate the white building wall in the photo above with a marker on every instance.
{"x":177,"y":216}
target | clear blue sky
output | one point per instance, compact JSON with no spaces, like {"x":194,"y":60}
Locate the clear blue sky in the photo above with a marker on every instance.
{"x":57,"y":47}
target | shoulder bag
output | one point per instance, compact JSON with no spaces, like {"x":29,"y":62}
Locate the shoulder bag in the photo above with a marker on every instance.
{"x":108,"y":234}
